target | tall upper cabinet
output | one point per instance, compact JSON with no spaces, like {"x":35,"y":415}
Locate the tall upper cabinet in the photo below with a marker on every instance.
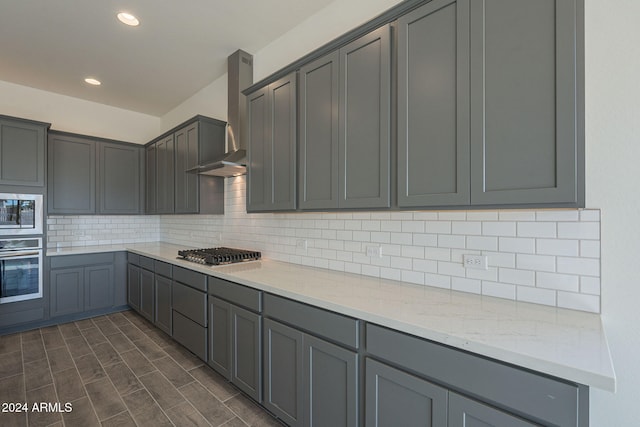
{"x":272,"y":147}
{"x":526,"y":83}
{"x":22,"y":152}
{"x":345,"y":119}
{"x":433,"y":105}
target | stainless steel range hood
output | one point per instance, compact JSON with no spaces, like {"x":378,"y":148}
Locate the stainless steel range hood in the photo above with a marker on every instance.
{"x":239,"y":77}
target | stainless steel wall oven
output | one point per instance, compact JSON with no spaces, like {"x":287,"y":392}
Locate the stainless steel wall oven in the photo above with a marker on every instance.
{"x":21,"y":214}
{"x":20,"y":269}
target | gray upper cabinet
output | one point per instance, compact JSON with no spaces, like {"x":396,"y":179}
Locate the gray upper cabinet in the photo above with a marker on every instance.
{"x":272,"y":147}
{"x":119,"y":179}
{"x":344,"y":118}
{"x":169,"y":187}
{"x":318,"y":133}
{"x":72,"y":175}
{"x":22,"y":152}
{"x":364,"y":122}
{"x":89,"y":176}
{"x":151,"y":202}
{"x":433,"y":105}
{"x":524,"y":113}
{"x":186,"y":157}
{"x":165,"y":175}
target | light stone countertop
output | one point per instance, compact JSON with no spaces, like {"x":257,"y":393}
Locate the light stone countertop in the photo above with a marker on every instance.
{"x":564,"y":343}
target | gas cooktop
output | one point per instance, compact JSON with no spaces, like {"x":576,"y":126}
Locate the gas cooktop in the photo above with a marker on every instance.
{"x":218,"y":256}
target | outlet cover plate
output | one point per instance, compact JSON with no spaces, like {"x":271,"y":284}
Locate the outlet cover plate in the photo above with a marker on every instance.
{"x":478,"y":262}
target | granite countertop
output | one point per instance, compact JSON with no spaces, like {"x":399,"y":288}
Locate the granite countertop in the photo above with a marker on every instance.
{"x":564,"y":343}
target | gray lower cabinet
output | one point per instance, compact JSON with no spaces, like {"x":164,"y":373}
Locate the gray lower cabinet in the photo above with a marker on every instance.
{"x":525,"y":89}
{"x":163,"y":313}
{"x":283,"y":368}
{"x":93,"y":176}
{"x":83,"y":283}
{"x":235,"y":334}
{"x":271,"y":181}
{"x":345,"y":126}
{"x":22,"y":152}
{"x":310,"y":380}
{"x":433,"y":105}
{"x":147,"y":294}
{"x":394,"y":397}
{"x":133,"y":286}
{"x":465,"y":412}
{"x":189,"y":310}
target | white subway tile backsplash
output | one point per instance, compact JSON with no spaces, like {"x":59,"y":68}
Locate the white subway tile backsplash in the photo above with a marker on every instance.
{"x":524,"y":247}
{"x":557,"y":247}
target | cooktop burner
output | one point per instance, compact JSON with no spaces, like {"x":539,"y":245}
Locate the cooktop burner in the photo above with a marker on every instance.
{"x":217,"y":256}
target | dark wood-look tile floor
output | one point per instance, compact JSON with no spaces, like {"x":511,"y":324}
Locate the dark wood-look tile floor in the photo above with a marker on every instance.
{"x":114,"y":370}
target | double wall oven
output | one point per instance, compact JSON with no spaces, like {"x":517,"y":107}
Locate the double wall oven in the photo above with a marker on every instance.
{"x":21,"y":230}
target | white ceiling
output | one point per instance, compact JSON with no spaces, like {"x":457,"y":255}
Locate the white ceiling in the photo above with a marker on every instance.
{"x":179,"y":47}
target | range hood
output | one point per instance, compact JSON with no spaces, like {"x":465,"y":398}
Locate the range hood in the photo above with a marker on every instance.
{"x":239,"y":77}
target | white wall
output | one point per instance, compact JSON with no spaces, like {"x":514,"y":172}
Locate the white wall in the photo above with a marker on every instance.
{"x":76,"y":115}
{"x":613,"y":174}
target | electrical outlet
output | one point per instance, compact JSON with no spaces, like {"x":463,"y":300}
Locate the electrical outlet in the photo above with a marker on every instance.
{"x":301,"y":244}
{"x":78,"y":233}
{"x":374,"y":251}
{"x":480,"y":262}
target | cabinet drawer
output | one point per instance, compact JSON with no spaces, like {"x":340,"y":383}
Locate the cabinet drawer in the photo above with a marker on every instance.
{"x":162,"y":268}
{"x":236,"y":294}
{"x":190,"y":278}
{"x":190,"y":302}
{"x":190,"y":334}
{"x":133,"y":258}
{"x":335,"y":327}
{"x":146,"y":263}
{"x":501,"y":385}
{"x":65,"y":261}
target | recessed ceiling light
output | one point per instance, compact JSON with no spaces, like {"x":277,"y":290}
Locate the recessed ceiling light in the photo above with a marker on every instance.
{"x":128,"y":19}
{"x":93,"y":81}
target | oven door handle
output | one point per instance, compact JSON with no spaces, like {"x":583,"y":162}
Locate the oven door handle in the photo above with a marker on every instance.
{"x":18,"y":254}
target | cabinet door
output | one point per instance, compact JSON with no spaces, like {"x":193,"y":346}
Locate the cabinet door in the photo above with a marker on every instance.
{"x":163,"y":303}
{"x":524,"y":147}
{"x":118,"y":179}
{"x":165,"y":175}
{"x":246,"y":352}
{"x":98,"y":287}
{"x":282,"y":132}
{"x":464,"y":412}
{"x":318,"y":120}
{"x":22,"y":153}
{"x":331,"y":384}
{"x":151,"y":186}
{"x":259,"y":152}
{"x":186,"y":157}
{"x":364,"y":124}
{"x":133,"y":286}
{"x":394,"y":397}
{"x":67,"y":291}
{"x":433,"y":105}
{"x":147,"y":299}
{"x":72,"y":175}
{"x":283,"y":378}
{"x":220,"y":336}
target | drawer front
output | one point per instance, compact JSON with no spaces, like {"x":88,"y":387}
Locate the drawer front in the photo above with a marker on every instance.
{"x":190,"y":302}
{"x":133,"y":258}
{"x":333,"y":326}
{"x":237,"y":294}
{"x":190,"y":278}
{"x":163,"y":268}
{"x":504,"y":386}
{"x":65,"y":261}
{"x":190,"y":334}
{"x":146,"y":263}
